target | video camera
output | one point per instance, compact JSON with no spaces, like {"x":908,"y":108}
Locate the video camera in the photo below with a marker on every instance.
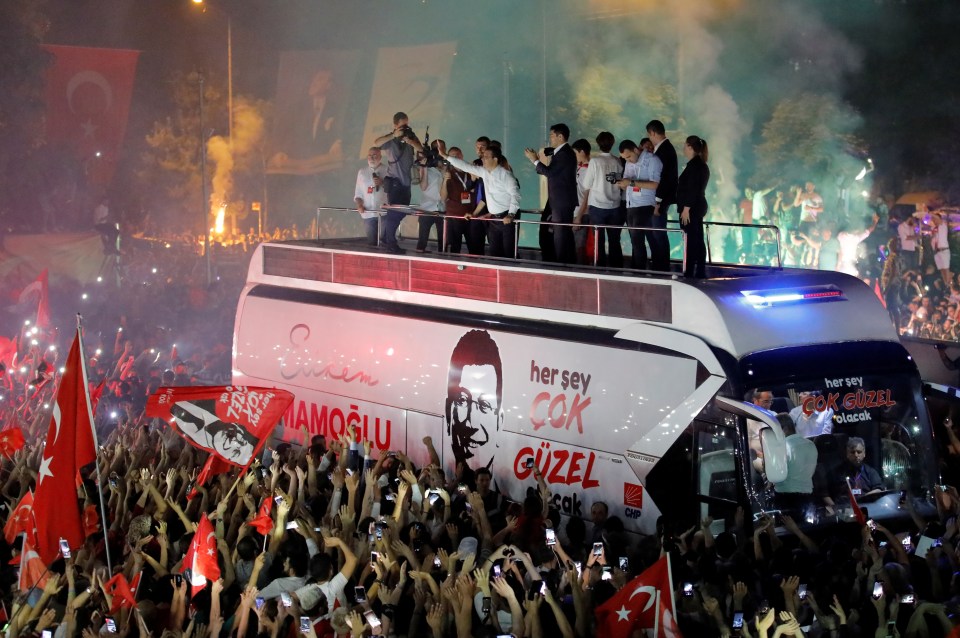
{"x":407,"y":132}
{"x":429,"y":157}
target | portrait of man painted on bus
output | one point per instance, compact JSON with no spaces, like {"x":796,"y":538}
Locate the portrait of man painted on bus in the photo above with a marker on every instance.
{"x":474,"y":399}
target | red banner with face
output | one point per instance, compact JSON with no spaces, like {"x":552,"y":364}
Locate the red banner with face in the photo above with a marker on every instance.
{"x":231,"y":422}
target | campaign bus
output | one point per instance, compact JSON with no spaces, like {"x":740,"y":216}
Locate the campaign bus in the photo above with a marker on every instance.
{"x":767,"y":389}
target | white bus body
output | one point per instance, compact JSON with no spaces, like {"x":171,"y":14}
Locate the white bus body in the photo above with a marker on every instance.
{"x":602,"y":373}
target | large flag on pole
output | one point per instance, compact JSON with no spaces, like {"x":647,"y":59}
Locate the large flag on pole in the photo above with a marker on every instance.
{"x":646,"y":602}
{"x":230,"y":422}
{"x":88,"y":98}
{"x":69,"y":447}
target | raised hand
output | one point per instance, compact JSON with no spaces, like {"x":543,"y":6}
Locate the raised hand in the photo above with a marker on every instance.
{"x":837,"y":608}
{"x":347,"y":516}
{"x":435,"y":618}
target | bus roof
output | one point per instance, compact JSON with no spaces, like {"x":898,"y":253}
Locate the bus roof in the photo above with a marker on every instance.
{"x":744,"y":311}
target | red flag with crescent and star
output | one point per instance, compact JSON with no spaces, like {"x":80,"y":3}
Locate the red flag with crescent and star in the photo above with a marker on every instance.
{"x":21,"y":520}
{"x":646,"y":602}
{"x":124,"y":593}
{"x":201,"y":558}
{"x":11,"y":440}
{"x":88,"y":102}
{"x":69,"y":446}
{"x":263,"y":522}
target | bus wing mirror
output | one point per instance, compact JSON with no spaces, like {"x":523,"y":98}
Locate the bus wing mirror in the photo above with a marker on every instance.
{"x":772,"y":440}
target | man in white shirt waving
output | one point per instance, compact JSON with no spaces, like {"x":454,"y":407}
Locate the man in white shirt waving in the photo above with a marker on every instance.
{"x":502,"y":198}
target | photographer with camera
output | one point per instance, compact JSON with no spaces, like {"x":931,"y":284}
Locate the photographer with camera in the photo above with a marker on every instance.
{"x":430,"y":200}
{"x":602,"y":200}
{"x":399,"y":147}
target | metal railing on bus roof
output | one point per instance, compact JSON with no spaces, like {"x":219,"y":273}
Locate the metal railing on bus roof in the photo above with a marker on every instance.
{"x":597,"y":236}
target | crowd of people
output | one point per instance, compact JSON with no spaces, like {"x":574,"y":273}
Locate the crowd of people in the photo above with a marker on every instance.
{"x":335,"y":538}
{"x":481,"y":200}
{"x":634,"y":186}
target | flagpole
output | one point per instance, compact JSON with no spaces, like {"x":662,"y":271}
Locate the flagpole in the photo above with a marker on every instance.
{"x":96,"y":444}
{"x":673,"y":598}
{"x":656,"y":609}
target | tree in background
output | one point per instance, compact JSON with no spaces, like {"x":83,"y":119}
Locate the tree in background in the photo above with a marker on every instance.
{"x":169,"y":173}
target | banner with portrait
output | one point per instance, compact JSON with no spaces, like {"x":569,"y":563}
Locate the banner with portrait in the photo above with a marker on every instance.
{"x":314,"y":95}
{"x":230,"y":422}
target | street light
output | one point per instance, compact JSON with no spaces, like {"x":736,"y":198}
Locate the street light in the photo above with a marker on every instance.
{"x":229,"y":70}
{"x":203,"y":138}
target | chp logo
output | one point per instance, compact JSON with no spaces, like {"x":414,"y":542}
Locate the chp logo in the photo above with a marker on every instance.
{"x":633,"y":499}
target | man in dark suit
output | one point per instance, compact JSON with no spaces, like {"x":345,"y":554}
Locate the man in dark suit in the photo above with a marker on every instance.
{"x":560,"y":169}
{"x":666,"y":194}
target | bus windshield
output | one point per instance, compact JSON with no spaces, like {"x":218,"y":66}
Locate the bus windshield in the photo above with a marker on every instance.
{"x":855,"y":438}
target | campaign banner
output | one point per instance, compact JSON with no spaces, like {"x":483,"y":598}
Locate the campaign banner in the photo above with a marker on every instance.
{"x":314,"y":95}
{"x":230,"y":422}
{"x":413,"y":80}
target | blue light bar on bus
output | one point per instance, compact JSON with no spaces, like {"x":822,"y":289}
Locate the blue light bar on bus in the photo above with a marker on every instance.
{"x":782,"y":296}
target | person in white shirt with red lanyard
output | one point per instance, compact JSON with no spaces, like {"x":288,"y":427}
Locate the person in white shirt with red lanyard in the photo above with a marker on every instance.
{"x":369,"y":194}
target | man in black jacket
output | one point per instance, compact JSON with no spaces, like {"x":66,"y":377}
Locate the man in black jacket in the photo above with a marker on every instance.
{"x":666,"y":194}
{"x":560,"y":169}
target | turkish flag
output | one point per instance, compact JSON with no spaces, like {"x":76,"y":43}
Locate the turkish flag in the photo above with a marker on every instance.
{"x":88,"y":100}
{"x":95,"y":396}
{"x":230,"y":422}
{"x":69,"y":447}
{"x":214,"y":466}
{"x":646,"y":602}
{"x":201,"y":558}
{"x":263,"y":522}
{"x":21,"y":520}
{"x":33,"y":571}
{"x":38,"y":292}
{"x":122,"y":592}
{"x":91,"y":520}
{"x":8,"y":350}
{"x":11,"y":440}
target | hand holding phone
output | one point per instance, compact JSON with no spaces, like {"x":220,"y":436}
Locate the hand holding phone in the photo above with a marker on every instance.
{"x":877,"y":590}
{"x":551,"y":537}
{"x":285,"y":599}
{"x":360,"y":594}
